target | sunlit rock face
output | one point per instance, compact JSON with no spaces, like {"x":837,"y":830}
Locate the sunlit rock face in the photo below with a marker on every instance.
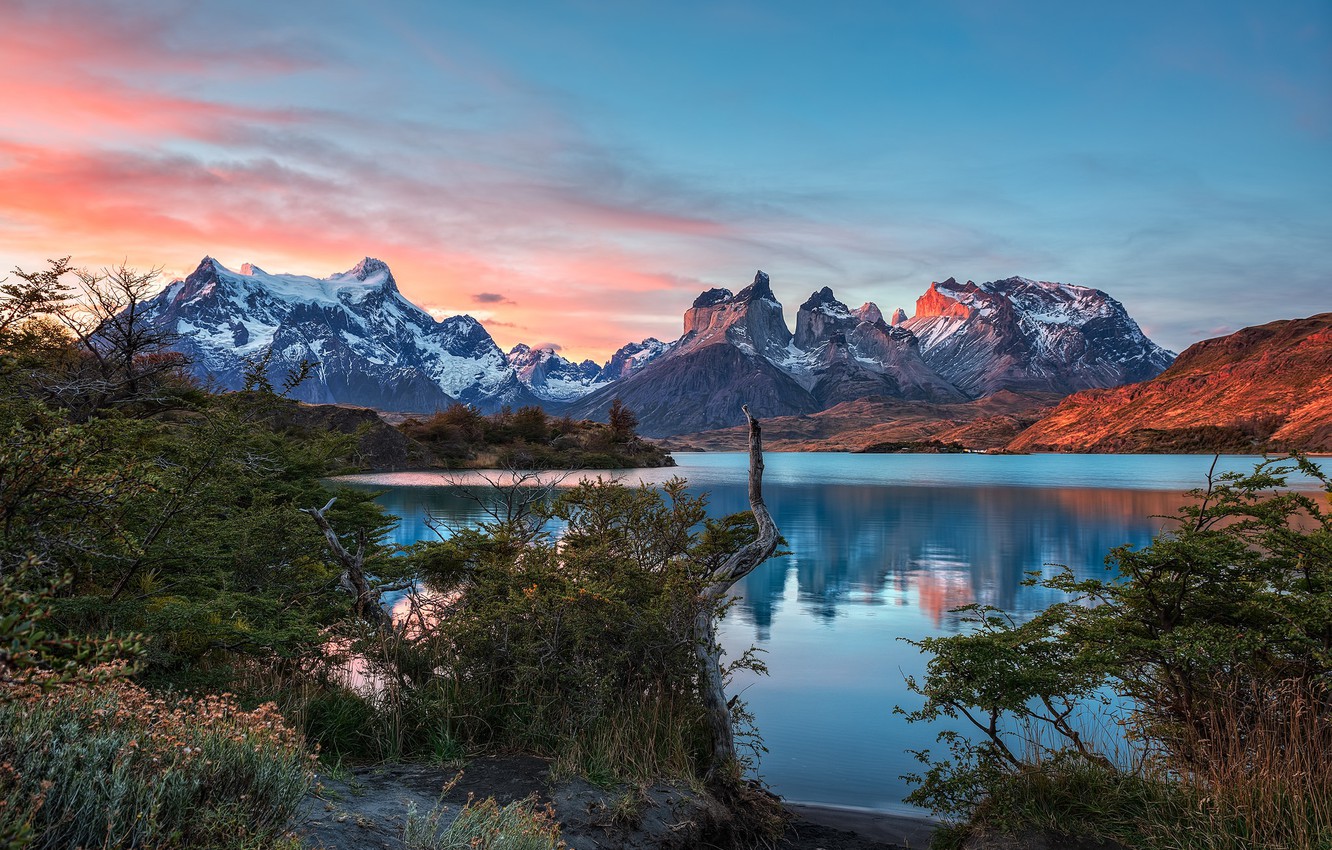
{"x":1020,"y":334}
{"x":853,"y":354}
{"x":1267,"y":386}
{"x":751,"y":320}
{"x":966,"y":341}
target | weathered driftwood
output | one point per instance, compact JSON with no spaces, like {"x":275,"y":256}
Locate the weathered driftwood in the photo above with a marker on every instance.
{"x":365,"y":597}
{"x":716,"y":586}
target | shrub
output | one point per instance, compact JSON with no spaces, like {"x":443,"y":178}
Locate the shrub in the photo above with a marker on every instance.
{"x":1218,"y":639}
{"x":115,"y":765}
{"x":582,"y":648}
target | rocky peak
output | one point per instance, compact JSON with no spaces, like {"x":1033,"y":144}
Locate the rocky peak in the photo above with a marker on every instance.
{"x":208,"y":267}
{"x":823,"y":298}
{"x":250,"y":269}
{"x":820,"y":317}
{"x":712,"y":297}
{"x":369,"y":266}
{"x":751,"y":319}
{"x":899,"y":316}
{"x":632,"y":357}
{"x":760,"y":289}
{"x":869,"y":312}
{"x":945,"y":299}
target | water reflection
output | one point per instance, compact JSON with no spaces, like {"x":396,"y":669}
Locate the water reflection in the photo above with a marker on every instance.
{"x":940,"y":546}
{"x":881,"y":549}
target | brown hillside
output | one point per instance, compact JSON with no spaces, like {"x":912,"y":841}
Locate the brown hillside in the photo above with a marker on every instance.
{"x":1267,"y":387}
{"x":986,"y":423}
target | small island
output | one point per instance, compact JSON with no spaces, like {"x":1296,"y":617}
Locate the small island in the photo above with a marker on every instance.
{"x":461,"y":437}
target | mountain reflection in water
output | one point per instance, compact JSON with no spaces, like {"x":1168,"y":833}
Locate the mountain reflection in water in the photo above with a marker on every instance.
{"x":882,"y":547}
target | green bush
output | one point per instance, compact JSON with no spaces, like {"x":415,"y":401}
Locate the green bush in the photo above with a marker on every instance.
{"x":582,"y":648}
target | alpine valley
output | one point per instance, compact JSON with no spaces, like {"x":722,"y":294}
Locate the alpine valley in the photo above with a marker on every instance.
{"x":1013,"y":344}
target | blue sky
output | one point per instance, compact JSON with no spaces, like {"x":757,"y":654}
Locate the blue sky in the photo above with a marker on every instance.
{"x":597,"y":164}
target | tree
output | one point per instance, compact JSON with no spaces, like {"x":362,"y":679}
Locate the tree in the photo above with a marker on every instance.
{"x":717,"y":582}
{"x":622,"y":420}
{"x":544,"y":642}
{"x":35,"y":293}
{"x":105,"y":312}
{"x":1217,"y":634}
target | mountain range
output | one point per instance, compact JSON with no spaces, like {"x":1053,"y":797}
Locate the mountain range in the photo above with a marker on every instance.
{"x":373,"y":347}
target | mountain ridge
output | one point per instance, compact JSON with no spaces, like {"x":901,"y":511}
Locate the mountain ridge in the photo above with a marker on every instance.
{"x":1265,"y":386}
{"x":373,"y":347}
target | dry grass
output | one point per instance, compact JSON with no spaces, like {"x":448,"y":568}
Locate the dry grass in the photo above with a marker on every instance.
{"x":1261,"y":771}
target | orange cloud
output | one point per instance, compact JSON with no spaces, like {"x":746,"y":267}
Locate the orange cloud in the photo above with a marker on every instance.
{"x":123,"y":139}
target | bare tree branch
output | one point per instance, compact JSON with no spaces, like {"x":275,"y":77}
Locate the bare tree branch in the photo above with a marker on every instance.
{"x":716,"y":586}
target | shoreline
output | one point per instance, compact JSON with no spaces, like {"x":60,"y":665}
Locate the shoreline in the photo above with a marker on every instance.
{"x":906,"y":831}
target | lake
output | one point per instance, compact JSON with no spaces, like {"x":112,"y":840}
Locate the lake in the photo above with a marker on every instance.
{"x":881,"y":548}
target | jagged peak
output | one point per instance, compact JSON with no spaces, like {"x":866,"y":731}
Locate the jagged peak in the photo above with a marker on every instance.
{"x":820,"y":298}
{"x":759,"y":290}
{"x":899,"y":316}
{"x":713,"y":297}
{"x":869,"y":312}
{"x":369,"y":266}
{"x":250,"y":270}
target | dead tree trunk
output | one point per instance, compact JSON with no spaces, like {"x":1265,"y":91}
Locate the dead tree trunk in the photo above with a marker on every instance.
{"x":365,"y":599}
{"x":716,"y":585}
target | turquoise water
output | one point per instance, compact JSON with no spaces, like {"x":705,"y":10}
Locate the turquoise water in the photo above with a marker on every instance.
{"x":882,"y":547}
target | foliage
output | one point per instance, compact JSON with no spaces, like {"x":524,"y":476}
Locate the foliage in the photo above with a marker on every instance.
{"x":31,"y":655}
{"x":581,"y":648}
{"x":115,"y":766}
{"x":529,"y":438}
{"x":622,"y":420}
{"x":484,"y":825}
{"x":1217,"y":636}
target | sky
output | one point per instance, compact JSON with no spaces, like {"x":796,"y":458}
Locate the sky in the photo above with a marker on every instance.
{"x":574,"y":172}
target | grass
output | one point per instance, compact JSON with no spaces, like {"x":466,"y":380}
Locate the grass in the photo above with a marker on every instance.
{"x":1259,"y":777}
{"x":484,"y":825}
{"x":115,"y":765}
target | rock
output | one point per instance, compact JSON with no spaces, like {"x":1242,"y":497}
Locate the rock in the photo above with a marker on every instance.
{"x":380,"y":447}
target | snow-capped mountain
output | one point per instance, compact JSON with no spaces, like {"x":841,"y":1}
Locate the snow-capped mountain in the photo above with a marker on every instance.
{"x":550,"y":377}
{"x":632,"y":357}
{"x":371,"y":345}
{"x":966,"y":341}
{"x":1021,"y":334}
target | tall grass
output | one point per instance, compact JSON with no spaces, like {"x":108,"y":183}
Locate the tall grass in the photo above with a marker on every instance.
{"x":115,"y":765}
{"x":484,"y":825}
{"x":1260,"y":775}
{"x":1256,"y":774}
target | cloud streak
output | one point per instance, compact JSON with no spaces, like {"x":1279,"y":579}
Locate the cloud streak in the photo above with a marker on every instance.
{"x":301,"y":139}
